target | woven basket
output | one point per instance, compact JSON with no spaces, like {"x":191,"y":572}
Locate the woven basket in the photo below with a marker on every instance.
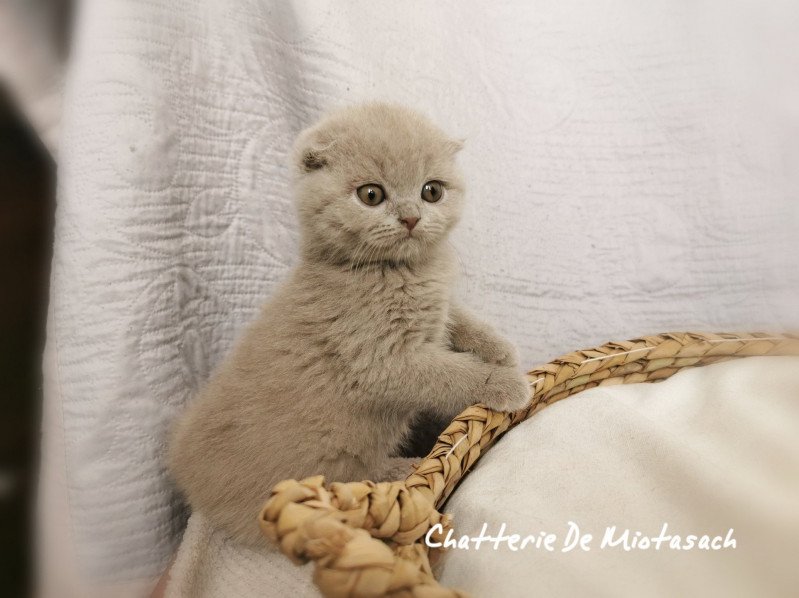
{"x":366,"y":539}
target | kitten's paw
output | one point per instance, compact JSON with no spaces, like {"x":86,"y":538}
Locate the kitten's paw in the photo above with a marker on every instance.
{"x":506,"y":390}
{"x":499,"y":352}
{"x":489,"y":348}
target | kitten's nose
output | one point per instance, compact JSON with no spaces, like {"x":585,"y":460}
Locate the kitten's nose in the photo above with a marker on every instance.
{"x":409,"y":222}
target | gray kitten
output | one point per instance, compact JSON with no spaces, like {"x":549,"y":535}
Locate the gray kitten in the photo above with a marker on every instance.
{"x":362,"y":337}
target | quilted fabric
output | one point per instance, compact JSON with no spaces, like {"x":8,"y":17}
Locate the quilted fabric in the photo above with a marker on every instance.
{"x":630,"y":170}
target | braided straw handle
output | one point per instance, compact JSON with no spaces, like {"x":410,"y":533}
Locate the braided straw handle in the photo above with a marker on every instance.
{"x":366,"y":538}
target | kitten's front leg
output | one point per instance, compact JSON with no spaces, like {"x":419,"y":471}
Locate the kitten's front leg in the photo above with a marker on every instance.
{"x":447,"y":382}
{"x":467,"y":333}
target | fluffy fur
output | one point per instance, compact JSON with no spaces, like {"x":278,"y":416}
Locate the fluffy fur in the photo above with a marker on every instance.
{"x":361,"y":338}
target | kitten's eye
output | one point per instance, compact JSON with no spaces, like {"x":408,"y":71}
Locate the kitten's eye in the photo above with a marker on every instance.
{"x":371,"y":195}
{"x":432,"y":191}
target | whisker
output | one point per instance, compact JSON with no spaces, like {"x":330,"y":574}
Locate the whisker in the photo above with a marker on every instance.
{"x":359,"y":252}
{"x":368,"y":258}
{"x":363,"y":258}
{"x":382,"y":235}
{"x":457,"y":255}
{"x":368,"y":261}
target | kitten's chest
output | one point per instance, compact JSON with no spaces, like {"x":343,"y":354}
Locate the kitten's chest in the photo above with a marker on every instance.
{"x":407,"y":305}
{"x":420,"y":300}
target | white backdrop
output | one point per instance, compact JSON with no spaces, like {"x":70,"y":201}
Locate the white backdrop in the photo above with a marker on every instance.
{"x":631,"y":169}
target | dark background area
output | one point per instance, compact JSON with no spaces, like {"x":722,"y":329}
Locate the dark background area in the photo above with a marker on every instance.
{"x":27,"y":191}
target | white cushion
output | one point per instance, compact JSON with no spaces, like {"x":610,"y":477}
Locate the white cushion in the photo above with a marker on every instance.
{"x":706,"y":451}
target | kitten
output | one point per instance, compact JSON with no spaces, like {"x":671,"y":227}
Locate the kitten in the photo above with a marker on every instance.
{"x":361,"y":338}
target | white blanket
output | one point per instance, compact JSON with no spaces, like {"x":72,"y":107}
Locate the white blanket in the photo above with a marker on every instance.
{"x":629,"y":170}
{"x":706,"y":451}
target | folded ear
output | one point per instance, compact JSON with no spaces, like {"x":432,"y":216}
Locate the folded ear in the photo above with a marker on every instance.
{"x":309,"y":150}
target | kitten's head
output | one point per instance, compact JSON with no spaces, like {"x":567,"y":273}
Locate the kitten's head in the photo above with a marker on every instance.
{"x":375,"y":183}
